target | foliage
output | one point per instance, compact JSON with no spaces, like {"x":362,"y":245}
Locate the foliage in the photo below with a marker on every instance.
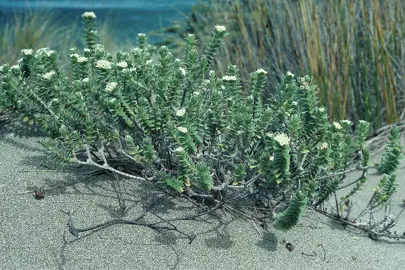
{"x":197,"y":134}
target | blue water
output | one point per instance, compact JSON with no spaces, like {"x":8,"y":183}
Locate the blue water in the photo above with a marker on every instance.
{"x":127,"y":18}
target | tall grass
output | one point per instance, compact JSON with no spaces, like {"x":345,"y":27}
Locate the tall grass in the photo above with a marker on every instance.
{"x":354,"y":49}
{"x":41,"y":28}
{"x":33,"y":29}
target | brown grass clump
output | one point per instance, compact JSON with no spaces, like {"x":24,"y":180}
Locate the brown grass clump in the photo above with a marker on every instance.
{"x":355,"y":50}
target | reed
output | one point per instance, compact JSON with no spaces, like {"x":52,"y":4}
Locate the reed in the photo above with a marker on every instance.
{"x":353,"y":49}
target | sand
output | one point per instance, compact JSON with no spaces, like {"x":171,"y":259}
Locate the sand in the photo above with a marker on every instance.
{"x":33,"y":233}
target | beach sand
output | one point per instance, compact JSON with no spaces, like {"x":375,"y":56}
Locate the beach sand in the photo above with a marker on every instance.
{"x":34,"y":235}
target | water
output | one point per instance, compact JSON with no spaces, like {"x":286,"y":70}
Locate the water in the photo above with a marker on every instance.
{"x":126,"y":17}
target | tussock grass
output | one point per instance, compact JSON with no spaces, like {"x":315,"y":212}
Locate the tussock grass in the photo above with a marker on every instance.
{"x":355,"y":50}
{"x":34,"y":29}
{"x":37,"y":29}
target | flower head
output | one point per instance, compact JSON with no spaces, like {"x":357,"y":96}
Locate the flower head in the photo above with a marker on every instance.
{"x":229,"y":78}
{"x":182,"y":129}
{"x":337,"y":125}
{"x":4,"y":67}
{"x":27,"y":51}
{"x":45,"y":51}
{"x":282,"y":139}
{"x":82,"y":59}
{"x":324,"y":145}
{"x":111,"y":86}
{"x":99,"y":48}
{"x":260,"y":70}
{"x":89,"y":15}
{"x":290,"y":74}
{"x":347,"y":122}
{"x":183,"y":71}
{"x":49,"y":53}
{"x":220,"y":28}
{"x":49,"y":75}
{"x":181,"y":112}
{"x":122,"y":64}
{"x":103,"y":64}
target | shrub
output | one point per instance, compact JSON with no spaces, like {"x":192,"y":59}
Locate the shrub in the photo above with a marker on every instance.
{"x":174,"y":123}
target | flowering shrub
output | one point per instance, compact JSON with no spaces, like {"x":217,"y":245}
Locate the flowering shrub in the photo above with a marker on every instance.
{"x":173,"y":122}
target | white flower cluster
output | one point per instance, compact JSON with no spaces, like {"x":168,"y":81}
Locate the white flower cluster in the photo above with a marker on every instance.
{"x":148,"y":62}
{"x":271,"y":158}
{"x":99,"y":48}
{"x":260,"y":70}
{"x":183,"y":71}
{"x":141,"y":35}
{"x":183,"y":129}
{"x":290,"y":74}
{"x":181,"y":112}
{"x":282,"y":139}
{"x":122,"y":64}
{"x":86,"y":80}
{"x":103,"y":64}
{"x":74,"y":55}
{"x":305,"y":84}
{"x":89,"y":15}
{"x":346,"y":122}
{"x":220,"y":28}
{"x":337,"y":125}
{"x":324,"y":145}
{"x":362,"y":122}
{"x":111,"y":86}
{"x":45,"y":51}
{"x":27,"y":51}
{"x":82,"y":59}
{"x":229,"y":78}
{"x":136,"y":51}
{"x":48,"y":75}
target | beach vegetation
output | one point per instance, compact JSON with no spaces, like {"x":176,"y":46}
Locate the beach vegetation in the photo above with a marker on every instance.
{"x":178,"y":126}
